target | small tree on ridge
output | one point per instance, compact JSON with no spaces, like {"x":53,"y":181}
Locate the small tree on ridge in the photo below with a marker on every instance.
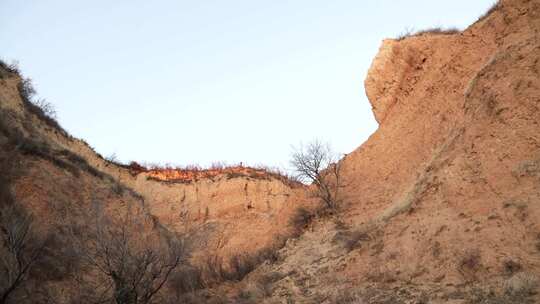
{"x":317,"y":164}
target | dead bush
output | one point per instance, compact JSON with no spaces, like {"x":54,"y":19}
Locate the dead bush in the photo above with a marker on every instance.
{"x":81,"y":163}
{"x":469,"y":264}
{"x":6,"y":69}
{"x":348,"y":296}
{"x":202,"y":297}
{"x":242,"y":264}
{"x":252,"y":292}
{"x":42,"y":109}
{"x":134,"y":267}
{"x":511,"y":267}
{"x":490,"y":11}
{"x":430,"y":31}
{"x":352,"y":240}
{"x":59,"y":260}
{"x":521,"y":284}
{"x":186,"y":279}
{"x":21,"y":250}
{"x":266,"y":281}
{"x":300,"y":220}
{"x":215,"y":270}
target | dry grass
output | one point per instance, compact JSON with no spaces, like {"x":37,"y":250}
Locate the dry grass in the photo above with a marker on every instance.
{"x":215,"y":270}
{"x":300,"y":220}
{"x":522,"y":284}
{"x":42,"y":109}
{"x":431,"y":31}
{"x":186,"y":279}
{"x":352,"y":240}
{"x":490,"y":11}
{"x":7,"y":69}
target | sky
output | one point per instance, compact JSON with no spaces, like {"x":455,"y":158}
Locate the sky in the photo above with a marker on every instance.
{"x":198,"y":82}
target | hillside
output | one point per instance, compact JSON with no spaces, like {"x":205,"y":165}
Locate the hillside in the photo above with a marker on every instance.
{"x":442,"y":200}
{"x":219,"y":214}
{"x":440,"y":205}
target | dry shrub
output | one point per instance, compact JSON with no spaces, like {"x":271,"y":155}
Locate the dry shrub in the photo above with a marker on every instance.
{"x":511,"y":267}
{"x":22,"y":250}
{"x":253,"y":292}
{"x":43,"y":151}
{"x":266,"y":281}
{"x":64,"y":159}
{"x":201,"y":297}
{"x":59,"y":260}
{"x":242,"y":264}
{"x":352,"y":240}
{"x":490,"y":11}
{"x":81,"y":163}
{"x":42,"y":109}
{"x":215,"y":270}
{"x":186,"y":279}
{"x":300,"y":220}
{"x":431,"y":31}
{"x":521,"y":284}
{"x":7,"y":69}
{"x":469,"y":264}
{"x":347,"y":296}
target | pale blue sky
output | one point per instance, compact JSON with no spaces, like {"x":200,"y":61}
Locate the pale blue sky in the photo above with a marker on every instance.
{"x":202,"y":81}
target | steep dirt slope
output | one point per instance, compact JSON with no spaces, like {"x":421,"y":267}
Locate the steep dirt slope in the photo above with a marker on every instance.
{"x":60,"y":191}
{"x":442,"y":200}
{"x":441,"y":204}
{"x":228,"y":212}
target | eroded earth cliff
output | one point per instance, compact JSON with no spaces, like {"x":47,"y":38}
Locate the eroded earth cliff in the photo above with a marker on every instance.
{"x":440,"y":205}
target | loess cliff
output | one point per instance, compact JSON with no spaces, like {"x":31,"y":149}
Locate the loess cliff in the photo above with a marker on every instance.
{"x":440,"y":205}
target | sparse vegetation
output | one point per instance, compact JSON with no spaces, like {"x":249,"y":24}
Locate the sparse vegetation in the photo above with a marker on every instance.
{"x":21,"y":248}
{"x":511,"y":267}
{"x":469,"y":264}
{"x":353,"y":239}
{"x":491,"y":10}
{"x":431,"y":31}
{"x":186,"y":279}
{"x":348,"y":296}
{"x":300,"y":220}
{"x":317,"y":164}
{"x":125,"y":261}
{"x":42,"y":109}
{"x":521,"y":285}
{"x":11,"y":68}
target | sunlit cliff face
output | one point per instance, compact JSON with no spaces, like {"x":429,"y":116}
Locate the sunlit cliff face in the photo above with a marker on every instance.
{"x":187,"y":175}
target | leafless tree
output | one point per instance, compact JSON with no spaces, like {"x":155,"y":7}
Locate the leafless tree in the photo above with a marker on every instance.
{"x":132,"y":268}
{"x":317,"y":164}
{"x":21,"y":249}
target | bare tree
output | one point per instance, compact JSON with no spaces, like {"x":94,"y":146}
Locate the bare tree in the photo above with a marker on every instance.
{"x":21,"y":250}
{"x":133,"y":269}
{"x":317,"y":164}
